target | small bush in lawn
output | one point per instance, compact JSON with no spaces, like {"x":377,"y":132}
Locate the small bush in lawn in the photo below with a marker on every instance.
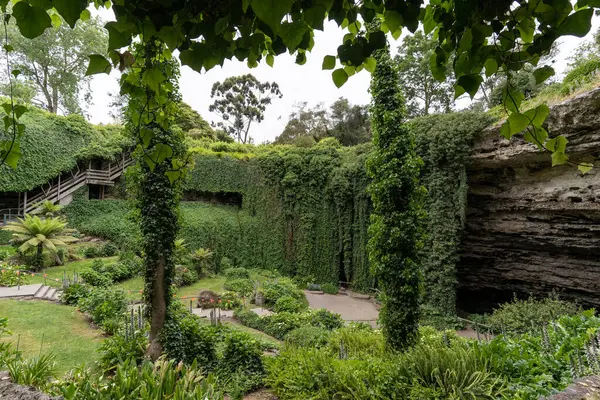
{"x":237,"y":273}
{"x":230,"y":300}
{"x":122,"y":347}
{"x":36,"y":371}
{"x":106,"y":307}
{"x":185,"y":276}
{"x":109,"y":250}
{"x":10,"y":275}
{"x":245,"y":287}
{"x":273,"y":290}
{"x":249,"y":318}
{"x":91,"y":252}
{"x":73,"y":293}
{"x":289,"y":304}
{"x":269,"y":273}
{"x":326,"y":319}
{"x":330,"y":288}
{"x":308,"y":336}
{"x":95,"y":278}
{"x":98,"y":266}
{"x":185,"y":339}
{"x":278,"y":325}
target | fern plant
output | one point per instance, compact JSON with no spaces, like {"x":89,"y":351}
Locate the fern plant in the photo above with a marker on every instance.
{"x":47,"y":209}
{"x":35,"y":233}
{"x":202,"y":259}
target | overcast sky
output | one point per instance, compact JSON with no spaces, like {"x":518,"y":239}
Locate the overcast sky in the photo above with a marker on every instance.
{"x":297,"y":83}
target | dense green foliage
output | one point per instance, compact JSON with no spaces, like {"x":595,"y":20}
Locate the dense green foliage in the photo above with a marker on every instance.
{"x":53,"y":144}
{"x":444,"y":144}
{"x":397,"y":218}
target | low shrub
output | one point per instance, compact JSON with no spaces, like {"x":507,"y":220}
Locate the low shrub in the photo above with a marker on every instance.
{"x":11,"y":275}
{"x":159,"y":380}
{"x":185,"y":276}
{"x":326,"y":319}
{"x":3,"y":255}
{"x":274,"y":290}
{"x":249,"y":318}
{"x":330,"y":288}
{"x":308,"y":336}
{"x":95,"y":278}
{"x":269,"y":273}
{"x":289,"y":304}
{"x":520,"y":316}
{"x":226,"y":264}
{"x":245,"y":287}
{"x":278,"y":325}
{"x":185,"y":339}
{"x":73,"y":293}
{"x":92,"y":252}
{"x":106,"y":307}
{"x":121,"y":347}
{"x":356,"y":341}
{"x":109,"y":250}
{"x":237,"y":273}
{"x":230,"y":300}
{"x":314,"y":287}
{"x":36,"y":371}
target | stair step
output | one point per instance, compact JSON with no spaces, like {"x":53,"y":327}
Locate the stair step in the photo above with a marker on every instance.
{"x":39,"y":291}
{"x":40,"y":294}
{"x":50,"y":293}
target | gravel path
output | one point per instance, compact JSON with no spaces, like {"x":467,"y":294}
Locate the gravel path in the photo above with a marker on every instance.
{"x":350,"y":308}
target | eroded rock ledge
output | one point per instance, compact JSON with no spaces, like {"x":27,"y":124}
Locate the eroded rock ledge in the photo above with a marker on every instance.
{"x":531,"y":227}
{"x":9,"y":390}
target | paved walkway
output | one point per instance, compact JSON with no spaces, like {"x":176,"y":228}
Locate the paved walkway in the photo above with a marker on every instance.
{"x":350,"y":308}
{"x":205,"y":313}
{"x":24,"y":290}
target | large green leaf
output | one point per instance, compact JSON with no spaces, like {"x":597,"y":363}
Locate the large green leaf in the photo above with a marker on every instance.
{"x":329,"y":62}
{"x":518,"y":122}
{"x":470,"y":83}
{"x":70,"y":10}
{"x":98,"y":65}
{"x":32,"y":21}
{"x":339,"y":77}
{"x":119,"y":34}
{"x":292,"y":33}
{"x":543,"y":73}
{"x":577,"y":24}
{"x":271,"y":12}
{"x":538,"y":115}
{"x":559,"y":158}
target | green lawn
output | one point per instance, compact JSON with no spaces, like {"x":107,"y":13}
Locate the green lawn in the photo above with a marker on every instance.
{"x":68,"y":269}
{"x":48,"y":327}
{"x":7,"y":248}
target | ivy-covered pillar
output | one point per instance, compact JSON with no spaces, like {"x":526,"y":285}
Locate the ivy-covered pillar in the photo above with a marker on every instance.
{"x":160,"y":153}
{"x":396,"y":221}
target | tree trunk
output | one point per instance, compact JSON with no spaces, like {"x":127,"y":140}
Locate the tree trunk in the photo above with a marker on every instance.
{"x":159,"y":311}
{"x":39,"y":256}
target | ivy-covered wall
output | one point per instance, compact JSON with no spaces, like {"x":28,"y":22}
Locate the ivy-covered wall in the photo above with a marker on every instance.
{"x":306,"y":211}
{"x":52,"y":144}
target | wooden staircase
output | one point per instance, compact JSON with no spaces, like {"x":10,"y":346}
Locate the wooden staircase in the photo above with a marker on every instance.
{"x":56,"y":191}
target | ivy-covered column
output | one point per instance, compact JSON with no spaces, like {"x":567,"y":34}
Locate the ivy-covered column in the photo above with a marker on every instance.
{"x":396,"y":221}
{"x":160,"y":152}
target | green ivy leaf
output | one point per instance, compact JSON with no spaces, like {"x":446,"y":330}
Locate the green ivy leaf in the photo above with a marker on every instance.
{"x":85,"y":15}
{"x":585,"y":167}
{"x":271,"y":12}
{"x":393,"y":21}
{"x":119,"y":34}
{"x":292,"y":33}
{"x":98,"y":65}
{"x":339,"y":77}
{"x":538,"y":115}
{"x":470,"y":83}
{"x":491,"y":67}
{"x":270,"y":60}
{"x":16,"y":72}
{"x":537,"y":136}
{"x":370,"y":64}
{"x":559,"y":158}
{"x":543,"y":73}
{"x":329,"y":62}
{"x":153,"y":78}
{"x":428,"y":22}
{"x":20,"y":110}
{"x":526,"y":29}
{"x":70,"y":10}
{"x":557,"y":144}
{"x":518,"y":122}
{"x":32,"y":21}
{"x":512,"y":99}
{"x":12,"y":158}
{"x":577,"y":24}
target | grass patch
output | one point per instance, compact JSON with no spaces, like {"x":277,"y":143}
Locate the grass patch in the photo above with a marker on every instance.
{"x":68,"y":269}
{"x":7,"y":248}
{"x":215,"y":284}
{"x":54,"y":328}
{"x":132,"y":288}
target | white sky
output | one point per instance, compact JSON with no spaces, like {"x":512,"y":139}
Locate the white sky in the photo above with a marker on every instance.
{"x":297,"y":83}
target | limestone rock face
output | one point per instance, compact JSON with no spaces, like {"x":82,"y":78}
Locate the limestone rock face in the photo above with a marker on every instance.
{"x":531,"y":227}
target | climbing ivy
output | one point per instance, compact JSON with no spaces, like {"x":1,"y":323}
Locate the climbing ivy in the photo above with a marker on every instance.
{"x":397,"y":217}
{"x":444,"y":143}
